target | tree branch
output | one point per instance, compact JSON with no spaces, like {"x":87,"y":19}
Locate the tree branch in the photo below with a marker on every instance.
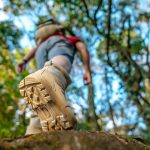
{"x":49,"y":10}
{"x":111,"y":111}
{"x":94,"y":21}
{"x":108,"y":28}
{"x":98,"y":7}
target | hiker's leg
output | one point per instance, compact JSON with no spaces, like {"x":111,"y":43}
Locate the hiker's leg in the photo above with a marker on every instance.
{"x":34,"y":126}
{"x":44,"y":91}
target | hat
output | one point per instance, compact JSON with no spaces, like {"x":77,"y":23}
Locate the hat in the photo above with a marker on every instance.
{"x":44,"y":22}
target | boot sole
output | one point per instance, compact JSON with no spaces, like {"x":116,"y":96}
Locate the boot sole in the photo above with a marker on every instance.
{"x":39,"y":99}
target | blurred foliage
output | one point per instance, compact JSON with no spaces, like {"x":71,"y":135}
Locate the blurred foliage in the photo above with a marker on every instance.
{"x":9,"y":35}
{"x":12,"y":122}
{"x":113,"y":32}
{"x":9,"y":95}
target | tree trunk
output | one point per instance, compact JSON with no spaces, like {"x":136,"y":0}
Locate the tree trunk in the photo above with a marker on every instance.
{"x":92,"y":117}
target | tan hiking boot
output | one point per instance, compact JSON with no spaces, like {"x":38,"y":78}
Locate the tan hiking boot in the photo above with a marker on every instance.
{"x":34,"y":126}
{"x":44,"y":91}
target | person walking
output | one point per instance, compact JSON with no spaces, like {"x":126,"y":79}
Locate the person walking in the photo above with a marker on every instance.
{"x":44,"y":90}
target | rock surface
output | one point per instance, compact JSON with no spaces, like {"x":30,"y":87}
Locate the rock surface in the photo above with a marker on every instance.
{"x":72,"y":140}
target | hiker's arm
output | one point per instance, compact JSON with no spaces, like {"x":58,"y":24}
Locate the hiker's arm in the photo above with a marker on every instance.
{"x":30,"y":55}
{"x":80,"y":46}
{"x":20,"y":67}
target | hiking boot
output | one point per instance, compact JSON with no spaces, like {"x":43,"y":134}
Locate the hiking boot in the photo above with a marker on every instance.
{"x":44,"y":92}
{"x":34,"y":126}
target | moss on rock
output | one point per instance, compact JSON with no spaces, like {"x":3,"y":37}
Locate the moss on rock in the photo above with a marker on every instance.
{"x":72,"y":140}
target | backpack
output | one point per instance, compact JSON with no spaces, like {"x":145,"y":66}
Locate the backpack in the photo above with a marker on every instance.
{"x":46,"y":29}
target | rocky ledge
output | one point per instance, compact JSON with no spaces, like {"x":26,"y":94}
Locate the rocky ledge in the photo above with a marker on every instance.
{"x":72,"y":140}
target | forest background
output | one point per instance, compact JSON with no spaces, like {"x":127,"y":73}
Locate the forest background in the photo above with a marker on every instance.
{"x":117,"y":35}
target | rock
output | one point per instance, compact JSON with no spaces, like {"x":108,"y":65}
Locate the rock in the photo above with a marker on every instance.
{"x":72,"y":140}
